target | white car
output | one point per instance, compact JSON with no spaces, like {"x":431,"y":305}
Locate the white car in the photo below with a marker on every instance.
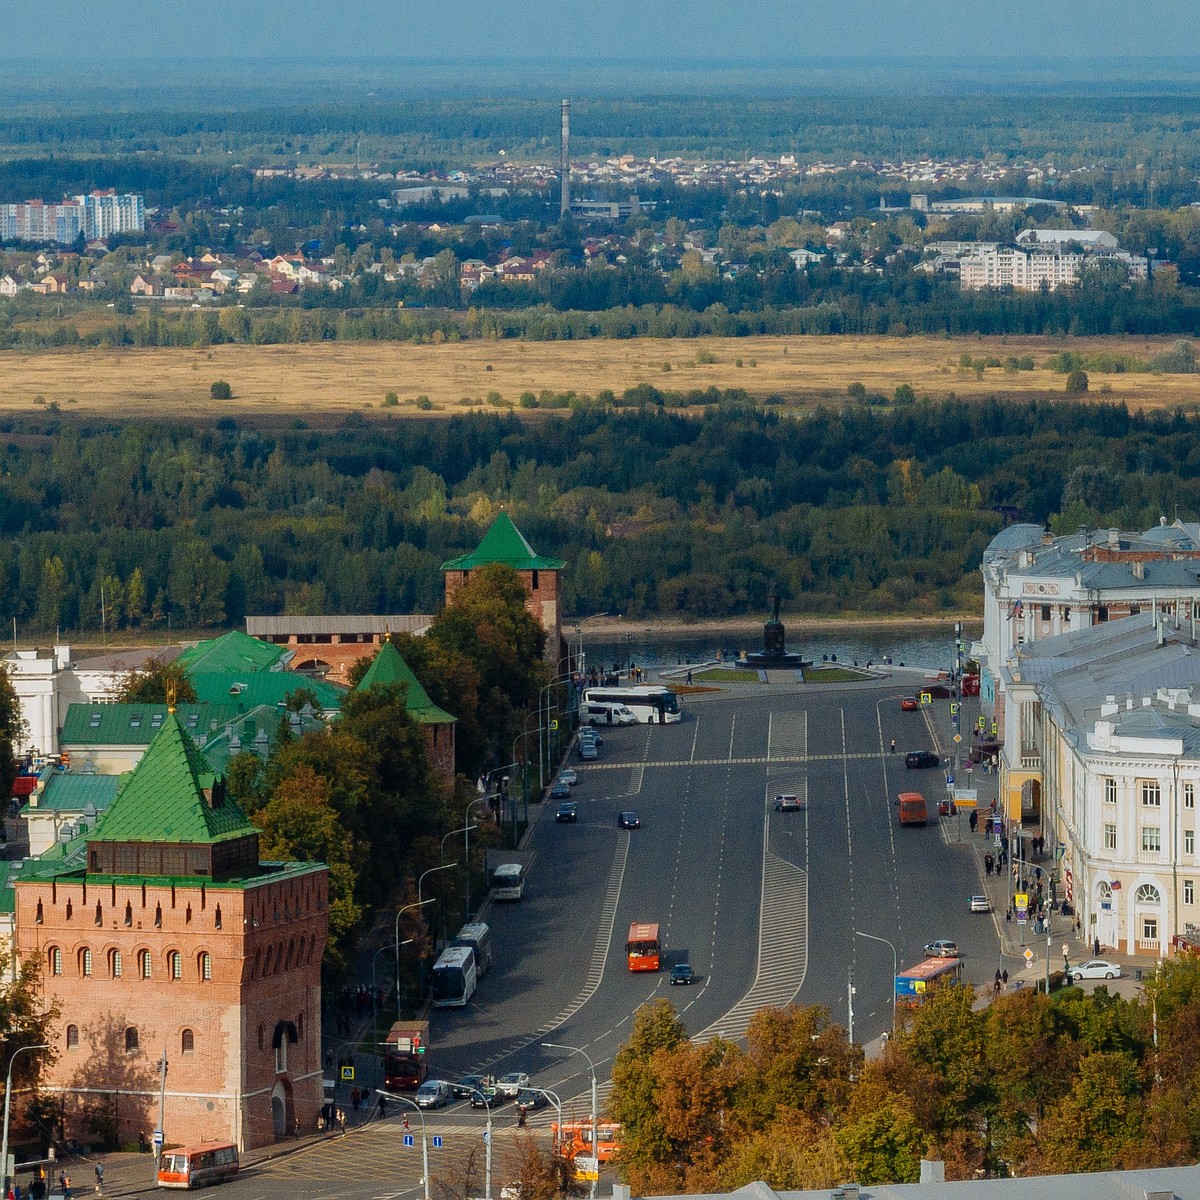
{"x":943,"y":949}
{"x":979,"y":904}
{"x":1096,"y":968}
{"x":510,"y":1084}
{"x":787,"y":802}
{"x":433,"y":1093}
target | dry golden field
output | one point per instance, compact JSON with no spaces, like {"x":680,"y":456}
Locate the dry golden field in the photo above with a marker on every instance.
{"x":329,"y":379}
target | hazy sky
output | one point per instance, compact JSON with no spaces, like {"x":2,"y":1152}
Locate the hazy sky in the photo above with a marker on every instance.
{"x":593,"y":31}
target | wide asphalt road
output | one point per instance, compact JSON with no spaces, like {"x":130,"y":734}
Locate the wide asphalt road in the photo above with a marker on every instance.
{"x":710,"y":848}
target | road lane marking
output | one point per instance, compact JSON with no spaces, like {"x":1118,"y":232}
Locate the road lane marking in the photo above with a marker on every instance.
{"x":753,"y":760}
{"x":600,"y":953}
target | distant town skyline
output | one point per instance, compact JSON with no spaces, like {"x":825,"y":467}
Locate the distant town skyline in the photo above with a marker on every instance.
{"x":481,"y":30}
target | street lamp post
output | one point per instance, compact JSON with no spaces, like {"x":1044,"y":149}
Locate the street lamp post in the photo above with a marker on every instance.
{"x":8,"y":1107}
{"x":543,"y":745}
{"x":374,"y":992}
{"x":553,"y":1098}
{"x":595,"y":1128}
{"x":420,"y":881}
{"x":467,"y":827}
{"x":579,"y":624}
{"x":424,"y":1140}
{"x":399,"y":914}
{"x":487,"y":1145}
{"x":895,"y":967}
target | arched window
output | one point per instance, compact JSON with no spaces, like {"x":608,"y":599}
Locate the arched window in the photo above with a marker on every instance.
{"x":145,"y":964}
{"x":114,"y":963}
{"x":54,"y":960}
{"x":72,"y":1036}
{"x":85,"y":962}
{"x":187,"y":1042}
{"x":1148,"y":894}
{"x":175,"y":964}
{"x":205,"y":965}
{"x":131,"y":1040}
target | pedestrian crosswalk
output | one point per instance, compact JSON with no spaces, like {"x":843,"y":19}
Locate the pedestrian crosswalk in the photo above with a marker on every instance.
{"x":787,"y":740}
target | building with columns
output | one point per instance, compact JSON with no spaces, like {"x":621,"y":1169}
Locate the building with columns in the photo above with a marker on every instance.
{"x":1109,"y":725}
{"x":162,"y":936}
{"x":504,"y":543}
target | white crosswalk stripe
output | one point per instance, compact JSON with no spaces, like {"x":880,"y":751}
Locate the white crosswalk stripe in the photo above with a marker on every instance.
{"x":788,"y":740}
{"x":725,"y":762}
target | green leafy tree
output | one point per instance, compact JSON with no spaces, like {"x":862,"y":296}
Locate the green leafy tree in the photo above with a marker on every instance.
{"x":884,"y":1145}
{"x":158,"y":683}
{"x":25,"y":1020}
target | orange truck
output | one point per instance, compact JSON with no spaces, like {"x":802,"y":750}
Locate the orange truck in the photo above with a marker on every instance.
{"x":912,"y":808}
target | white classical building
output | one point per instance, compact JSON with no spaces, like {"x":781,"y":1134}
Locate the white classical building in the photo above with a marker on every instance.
{"x":1029,"y":269}
{"x":47,"y":681}
{"x":1109,"y":720}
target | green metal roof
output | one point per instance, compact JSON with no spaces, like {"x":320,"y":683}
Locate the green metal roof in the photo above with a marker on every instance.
{"x":8,"y":897}
{"x":163,"y":799}
{"x":245,"y":733}
{"x":69,"y":792}
{"x":52,"y":865}
{"x":389,"y":667}
{"x":136,"y":724}
{"x":250,"y":689}
{"x":233,"y":651}
{"x":504,"y":543}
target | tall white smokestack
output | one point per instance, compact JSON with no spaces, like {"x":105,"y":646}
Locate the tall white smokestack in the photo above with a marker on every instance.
{"x":564,"y":165}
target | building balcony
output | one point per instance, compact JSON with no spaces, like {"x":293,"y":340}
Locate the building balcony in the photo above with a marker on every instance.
{"x":1031,"y":761}
{"x":1149,"y":856}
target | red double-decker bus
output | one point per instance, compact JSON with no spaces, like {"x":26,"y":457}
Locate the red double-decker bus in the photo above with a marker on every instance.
{"x":642,"y":947}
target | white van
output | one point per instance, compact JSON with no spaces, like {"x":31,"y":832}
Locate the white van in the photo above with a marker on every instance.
{"x":602,"y":712}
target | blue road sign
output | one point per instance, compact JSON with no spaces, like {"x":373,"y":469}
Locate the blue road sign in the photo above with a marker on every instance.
{"x":437,"y":1141}
{"x":949,"y":780}
{"x":409,"y":1140}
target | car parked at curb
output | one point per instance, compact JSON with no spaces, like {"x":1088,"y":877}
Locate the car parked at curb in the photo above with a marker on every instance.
{"x":568,"y":777}
{"x":1096,"y":968}
{"x":560,"y":790}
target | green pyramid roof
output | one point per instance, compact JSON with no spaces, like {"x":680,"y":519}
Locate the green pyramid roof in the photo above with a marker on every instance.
{"x":163,"y":799}
{"x":233,"y":651}
{"x":504,"y":543}
{"x":390,"y":667}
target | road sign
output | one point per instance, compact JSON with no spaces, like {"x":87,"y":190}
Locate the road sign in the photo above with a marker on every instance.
{"x":965,"y":797}
{"x":587,"y":1167}
{"x":553,"y":724}
{"x":953,"y":709}
{"x":957,"y":738}
{"x":1028,"y":957}
{"x":1021,"y":900}
{"x":949,"y":780}
{"x":347,"y":1074}
{"x":158,"y":1140}
{"x":409,"y":1140}
{"x":437,"y":1141}
{"x":926,"y":698}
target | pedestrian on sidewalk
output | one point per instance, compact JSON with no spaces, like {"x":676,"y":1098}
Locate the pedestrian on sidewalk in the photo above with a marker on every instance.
{"x":1096,"y":947}
{"x":1004,"y":978}
{"x":100,"y":1178}
{"x":997,"y":982}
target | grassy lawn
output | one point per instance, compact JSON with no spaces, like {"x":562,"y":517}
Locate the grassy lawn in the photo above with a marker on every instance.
{"x":833,"y":675}
{"x":727,"y":675}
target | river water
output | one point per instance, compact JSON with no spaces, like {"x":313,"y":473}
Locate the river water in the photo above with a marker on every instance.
{"x":926,"y":645}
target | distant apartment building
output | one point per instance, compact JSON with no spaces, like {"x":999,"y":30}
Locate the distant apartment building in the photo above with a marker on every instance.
{"x":96,"y":215}
{"x":1029,"y":270}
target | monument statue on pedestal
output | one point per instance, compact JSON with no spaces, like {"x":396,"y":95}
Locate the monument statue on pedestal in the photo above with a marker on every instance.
{"x":774,"y":652}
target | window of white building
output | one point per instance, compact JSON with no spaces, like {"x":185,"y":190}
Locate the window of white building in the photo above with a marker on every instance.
{"x":1110,"y":835}
{"x":1189,"y":892}
{"x":1189,"y":795}
{"x":1151,"y":839}
{"x":1149,"y":929}
{"x":1189,"y":841}
{"x":1151,"y":796}
{"x":1110,"y":791}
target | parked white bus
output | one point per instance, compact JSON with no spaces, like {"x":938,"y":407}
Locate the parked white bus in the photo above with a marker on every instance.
{"x":479,"y":937}
{"x":650,"y":703}
{"x":508,"y":882}
{"x":454,"y":977}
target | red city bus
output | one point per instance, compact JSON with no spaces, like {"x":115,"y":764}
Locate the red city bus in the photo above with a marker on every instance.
{"x":642,"y":948}
{"x":574,"y":1138}
{"x":198,"y":1166}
